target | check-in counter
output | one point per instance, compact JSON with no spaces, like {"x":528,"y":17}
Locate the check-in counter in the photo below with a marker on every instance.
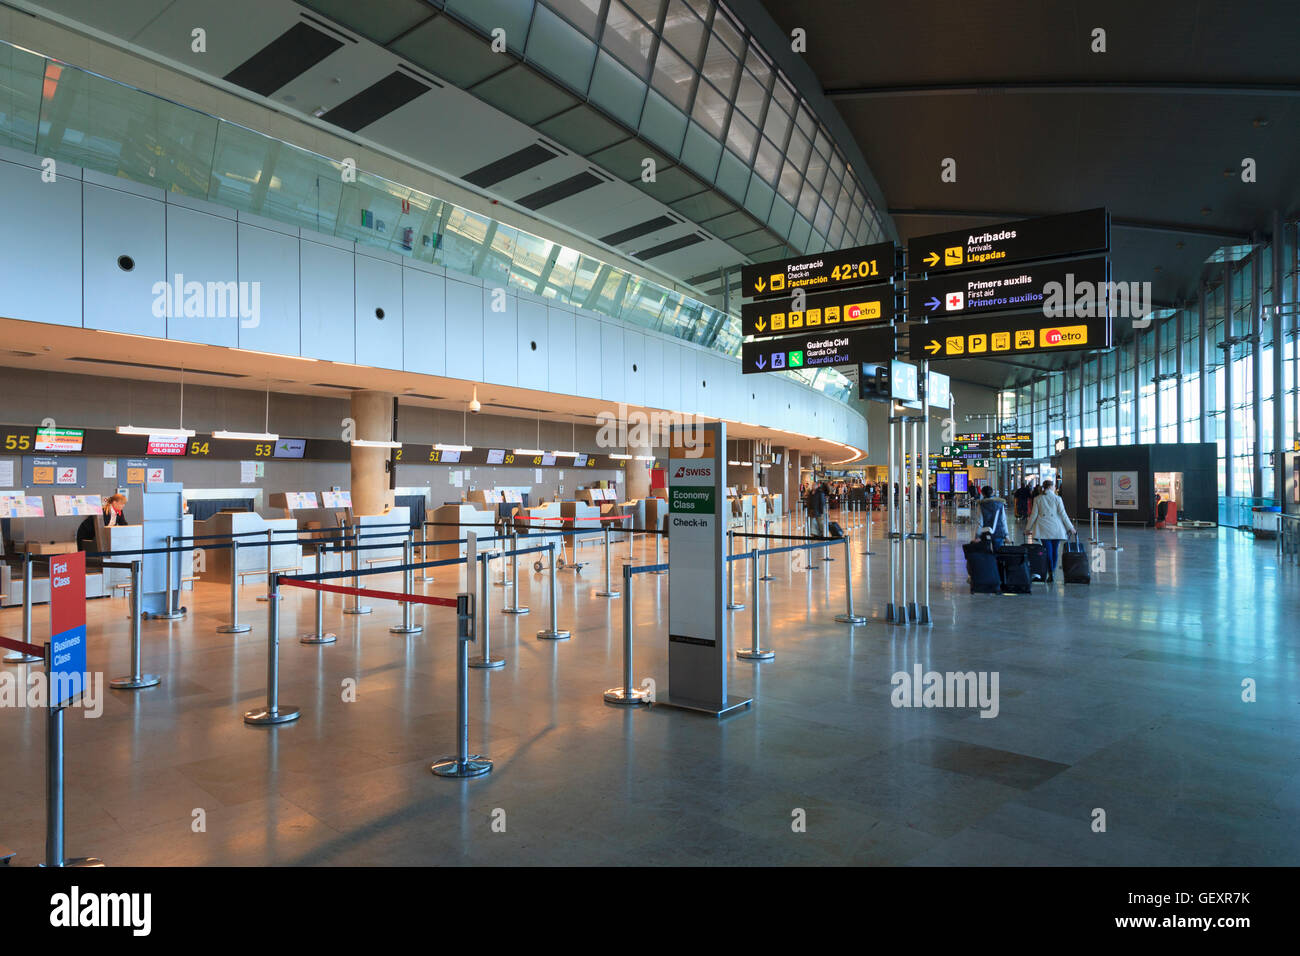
{"x":390,"y":529}
{"x":656,"y":513}
{"x":285,"y":550}
{"x":544,"y":517}
{"x":634,"y":510}
{"x":583,"y":517}
{"x":454,"y":522}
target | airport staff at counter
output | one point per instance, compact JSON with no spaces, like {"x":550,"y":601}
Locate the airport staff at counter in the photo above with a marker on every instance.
{"x":112,"y":516}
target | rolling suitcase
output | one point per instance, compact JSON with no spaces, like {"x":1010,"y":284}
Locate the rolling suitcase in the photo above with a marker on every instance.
{"x":1015,"y":573}
{"x":1038,"y":564}
{"x":982,"y":566}
{"x":1074,"y":563}
{"x":836,"y":530}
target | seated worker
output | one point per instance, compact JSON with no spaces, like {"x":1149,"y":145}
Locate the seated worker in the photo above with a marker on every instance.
{"x":111,"y":516}
{"x":993,"y":514}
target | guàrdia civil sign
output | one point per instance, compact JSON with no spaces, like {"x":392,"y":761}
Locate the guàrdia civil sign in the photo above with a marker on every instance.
{"x":818,"y":350}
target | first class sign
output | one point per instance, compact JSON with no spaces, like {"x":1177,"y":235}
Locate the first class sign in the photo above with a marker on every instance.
{"x":820,"y":272}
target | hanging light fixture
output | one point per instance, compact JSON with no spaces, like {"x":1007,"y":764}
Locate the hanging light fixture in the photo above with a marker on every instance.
{"x":538,"y":449}
{"x":147,"y":430}
{"x":266,"y":435}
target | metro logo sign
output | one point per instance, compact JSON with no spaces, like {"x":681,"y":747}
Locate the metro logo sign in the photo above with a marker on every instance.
{"x":1068,"y":336}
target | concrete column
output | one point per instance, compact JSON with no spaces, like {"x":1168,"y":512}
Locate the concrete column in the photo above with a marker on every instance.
{"x":373,"y":414}
{"x":637,"y":472}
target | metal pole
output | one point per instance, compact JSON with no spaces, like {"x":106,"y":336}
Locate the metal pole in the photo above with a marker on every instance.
{"x":356,"y":607}
{"x":234,"y":627}
{"x":426,"y":575}
{"x":900,"y":609}
{"x":22,"y":657}
{"x":503,"y":583}
{"x":868,"y":550}
{"x":1114,"y":523}
{"x":914,"y":514}
{"x":767,"y":558}
{"x":514,"y":583}
{"x":273,"y":713}
{"x":169,"y":613}
{"x":890,"y":613}
{"x":318,"y":636}
{"x":136,"y":680}
{"x":463,"y":764}
{"x":553,"y":633}
{"x":755,"y":652}
{"x":849,"y":617}
{"x":609,"y":591}
{"x":486,"y":661}
{"x":408,"y":626}
{"x":731,"y":574}
{"x":269,"y":564}
{"x":54,"y":805}
{"x":628,"y":694}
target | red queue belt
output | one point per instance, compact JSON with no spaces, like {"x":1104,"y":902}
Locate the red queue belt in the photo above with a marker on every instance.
{"x":22,"y":647}
{"x":399,"y":596}
{"x":575,"y":520}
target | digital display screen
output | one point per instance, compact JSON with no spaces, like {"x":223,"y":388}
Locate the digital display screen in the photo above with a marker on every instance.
{"x":167,"y":445}
{"x":548,"y":460}
{"x":962,"y":482}
{"x":290,"y":448}
{"x":452,"y":457}
{"x":59,"y":439}
{"x":496,"y":456}
{"x":580,"y":461}
{"x":944,"y":481}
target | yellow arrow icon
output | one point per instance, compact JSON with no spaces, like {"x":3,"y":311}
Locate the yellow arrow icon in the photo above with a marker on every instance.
{"x":934,"y":346}
{"x":932,"y":259}
{"x":760,"y":284}
{"x":761,"y":324}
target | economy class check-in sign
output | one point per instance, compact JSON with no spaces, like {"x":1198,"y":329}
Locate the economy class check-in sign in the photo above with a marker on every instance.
{"x":818,"y":350}
{"x":1025,"y":240}
{"x":821,"y":272}
{"x":1002,"y":336}
{"x":849,"y":307}
{"x":1003,"y":290}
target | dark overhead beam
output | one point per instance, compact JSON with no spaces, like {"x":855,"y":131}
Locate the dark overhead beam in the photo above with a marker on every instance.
{"x":1178,"y":88}
{"x":1176,"y":228}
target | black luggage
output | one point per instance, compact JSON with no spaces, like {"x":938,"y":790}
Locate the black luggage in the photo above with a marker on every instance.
{"x":982,"y":566}
{"x":1015,"y":573}
{"x":1074,"y":563}
{"x":1039,"y":566}
{"x":836,"y":530}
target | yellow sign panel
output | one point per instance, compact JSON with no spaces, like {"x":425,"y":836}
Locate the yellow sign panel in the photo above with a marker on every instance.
{"x":832,"y":314}
{"x":135,"y":476}
{"x":42,"y":475}
{"x":862,"y":311}
{"x":1064,"y":336}
{"x":813,"y":317}
{"x":978,"y":343}
{"x":778,"y":281}
{"x":956,"y":345}
{"x":952,"y":256}
{"x":1001,"y":341}
{"x":796,"y":320}
{"x":1025,"y":339}
{"x":778,"y":320}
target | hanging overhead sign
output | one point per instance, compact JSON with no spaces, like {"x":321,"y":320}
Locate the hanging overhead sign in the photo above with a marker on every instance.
{"x":818,"y":350}
{"x":1011,"y":290}
{"x":1000,"y":336}
{"x":1024,"y":240}
{"x":832,"y":310}
{"x":861,"y":265}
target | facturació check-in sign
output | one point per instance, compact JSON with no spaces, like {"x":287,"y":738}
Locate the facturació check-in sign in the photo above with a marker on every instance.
{"x":1024,"y":240}
{"x":820,"y":272}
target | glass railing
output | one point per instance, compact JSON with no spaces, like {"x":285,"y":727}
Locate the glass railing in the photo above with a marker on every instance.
{"x":1238,"y":512}
{"x":54,"y":110}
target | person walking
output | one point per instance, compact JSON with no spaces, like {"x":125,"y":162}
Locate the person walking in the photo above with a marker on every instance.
{"x":1049,"y":524}
{"x":993,"y":515}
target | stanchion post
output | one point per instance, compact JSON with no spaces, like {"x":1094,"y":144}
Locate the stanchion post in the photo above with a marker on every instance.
{"x":767,"y":558}
{"x":169,"y":612}
{"x":426,"y":575}
{"x":628,"y":694}
{"x":135,"y":680}
{"x":731,"y":573}
{"x":408,"y":626}
{"x":22,"y":657}
{"x":356,"y":607}
{"x":234,"y":627}
{"x":1114,"y":523}
{"x":485,"y":661}
{"x":463,"y":764}
{"x":553,"y":633}
{"x":514,"y":607}
{"x":54,"y":795}
{"x":849,"y":617}
{"x":270,"y":543}
{"x":609,"y":591}
{"x":755,"y":652}
{"x":318,"y":636}
{"x":272,"y":713}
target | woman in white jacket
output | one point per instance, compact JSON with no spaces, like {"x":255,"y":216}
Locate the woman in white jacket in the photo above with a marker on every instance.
{"x":1049,"y":524}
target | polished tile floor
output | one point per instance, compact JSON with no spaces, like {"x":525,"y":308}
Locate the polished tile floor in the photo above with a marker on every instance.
{"x":1123,"y":697}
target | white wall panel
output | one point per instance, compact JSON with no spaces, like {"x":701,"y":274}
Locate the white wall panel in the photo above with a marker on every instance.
{"x":652,"y":371}
{"x":424,"y":322}
{"x":633,"y":387}
{"x":328,"y":303}
{"x":562,"y":350}
{"x":269,"y":262}
{"x":117,"y":224}
{"x":500,"y":338}
{"x":587,"y":345}
{"x":379,"y":289}
{"x":532,"y":350}
{"x":40,"y":268}
{"x":671,"y":375}
{"x":465,"y":330}
{"x":690,"y":380}
{"x":613,"y":380}
{"x":201,"y":249}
